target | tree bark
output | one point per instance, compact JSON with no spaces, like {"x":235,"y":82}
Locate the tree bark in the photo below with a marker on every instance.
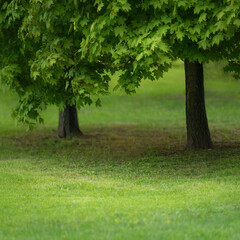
{"x":198,"y":134}
{"x":68,"y":123}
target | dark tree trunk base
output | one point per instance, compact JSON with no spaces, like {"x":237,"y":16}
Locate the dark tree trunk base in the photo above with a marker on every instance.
{"x":68,"y":123}
{"x":198,"y":134}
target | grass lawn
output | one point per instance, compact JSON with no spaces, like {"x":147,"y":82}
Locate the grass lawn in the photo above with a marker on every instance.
{"x":130,"y":176}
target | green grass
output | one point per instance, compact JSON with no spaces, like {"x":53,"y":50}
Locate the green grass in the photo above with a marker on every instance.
{"x":130,"y":177}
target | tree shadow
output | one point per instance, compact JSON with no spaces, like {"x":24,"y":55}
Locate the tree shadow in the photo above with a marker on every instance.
{"x":122,"y":142}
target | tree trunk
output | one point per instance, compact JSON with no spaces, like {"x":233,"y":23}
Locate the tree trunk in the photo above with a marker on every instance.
{"x":68,"y":123}
{"x":198,"y":135}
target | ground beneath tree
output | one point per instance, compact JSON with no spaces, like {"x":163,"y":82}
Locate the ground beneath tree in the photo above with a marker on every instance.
{"x":121,"y":141}
{"x":119,"y":181}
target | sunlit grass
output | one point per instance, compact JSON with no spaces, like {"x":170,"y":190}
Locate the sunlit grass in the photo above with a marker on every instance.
{"x":130,"y":177}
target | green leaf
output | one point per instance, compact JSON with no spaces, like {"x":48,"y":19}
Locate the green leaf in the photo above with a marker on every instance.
{"x":180,"y":35}
{"x":119,"y":31}
{"x":51,"y":62}
{"x":202,"y":17}
{"x":217,"y":39}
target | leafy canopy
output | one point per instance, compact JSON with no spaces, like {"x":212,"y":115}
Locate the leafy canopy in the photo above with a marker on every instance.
{"x":57,"y":52}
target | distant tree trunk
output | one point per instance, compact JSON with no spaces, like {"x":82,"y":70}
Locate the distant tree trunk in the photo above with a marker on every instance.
{"x":68,"y":123}
{"x":198,"y":135}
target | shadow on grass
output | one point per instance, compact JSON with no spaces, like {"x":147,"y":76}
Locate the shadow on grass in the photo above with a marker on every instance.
{"x":118,"y":141}
{"x":139,"y":150}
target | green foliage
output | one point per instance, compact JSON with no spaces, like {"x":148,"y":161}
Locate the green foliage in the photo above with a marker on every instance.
{"x":65,"y":50}
{"x":45,"y":66}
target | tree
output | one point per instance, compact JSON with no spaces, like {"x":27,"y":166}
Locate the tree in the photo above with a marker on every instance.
{"x":40,"y":50}
{"x":68,"y":122}
{"x":79,"y":42}
{"x":194,"y":31}
{"x":68,"y":65}
{"x":203,"y":31}
{"x":198,"y":135}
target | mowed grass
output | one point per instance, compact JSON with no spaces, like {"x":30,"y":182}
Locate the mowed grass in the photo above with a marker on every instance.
{"x":130,"y":177}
